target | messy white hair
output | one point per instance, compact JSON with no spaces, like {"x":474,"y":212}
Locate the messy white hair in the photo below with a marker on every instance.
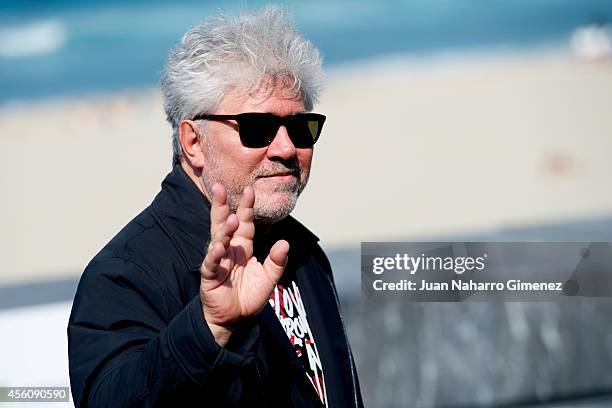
{"x":246,"y":51}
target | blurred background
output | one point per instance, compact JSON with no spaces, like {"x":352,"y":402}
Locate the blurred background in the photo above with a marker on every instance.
{"x":447,"y":120}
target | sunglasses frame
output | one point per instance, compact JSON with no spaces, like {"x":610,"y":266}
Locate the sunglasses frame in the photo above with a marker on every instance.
{"x":266,"y":140}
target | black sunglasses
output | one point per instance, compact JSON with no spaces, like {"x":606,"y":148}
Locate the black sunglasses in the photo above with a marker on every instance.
{"x":258,"y":129}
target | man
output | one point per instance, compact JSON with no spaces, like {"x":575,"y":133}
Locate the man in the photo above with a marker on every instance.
{"x":214,"y":295}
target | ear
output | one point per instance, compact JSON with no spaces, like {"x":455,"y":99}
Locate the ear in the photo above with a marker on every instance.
{"x":190,"y":144}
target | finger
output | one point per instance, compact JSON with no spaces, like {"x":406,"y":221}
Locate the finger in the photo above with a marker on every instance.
{"x":219,"y":207}
{"x":219,"y":245}
{"x":212,"y":260}
{"x":226,"y":231}
{"x":245,"y":214}
{"x":277,"y":259}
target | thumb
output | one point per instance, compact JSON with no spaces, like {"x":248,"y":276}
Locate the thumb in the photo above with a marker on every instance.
{"x":277,"y":259}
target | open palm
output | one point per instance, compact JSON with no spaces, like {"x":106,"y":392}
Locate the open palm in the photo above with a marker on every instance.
{"x":234,"y":285}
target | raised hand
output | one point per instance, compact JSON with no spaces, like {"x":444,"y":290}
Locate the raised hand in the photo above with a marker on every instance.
{"x":234,"y":285}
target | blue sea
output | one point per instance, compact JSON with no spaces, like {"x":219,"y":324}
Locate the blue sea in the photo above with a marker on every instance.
{"x":69,"y":47}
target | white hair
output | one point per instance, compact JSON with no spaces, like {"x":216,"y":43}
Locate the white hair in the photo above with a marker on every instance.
{"x":245,"y":51}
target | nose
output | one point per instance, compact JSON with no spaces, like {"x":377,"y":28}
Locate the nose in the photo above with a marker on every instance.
{"x":282,"y":146}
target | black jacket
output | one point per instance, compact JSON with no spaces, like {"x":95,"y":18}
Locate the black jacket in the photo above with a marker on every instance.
{"x":137,"y":335}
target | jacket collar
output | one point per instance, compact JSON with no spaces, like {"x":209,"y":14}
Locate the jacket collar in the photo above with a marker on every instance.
{"x":184,"y":213}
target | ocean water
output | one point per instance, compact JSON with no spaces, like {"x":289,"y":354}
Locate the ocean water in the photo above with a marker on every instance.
{"x":68,"y":47}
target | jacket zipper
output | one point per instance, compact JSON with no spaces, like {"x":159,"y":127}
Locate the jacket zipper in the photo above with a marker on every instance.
{"x":260,"y":381}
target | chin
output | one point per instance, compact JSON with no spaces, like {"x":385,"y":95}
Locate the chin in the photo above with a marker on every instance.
{"x":274,"y":207}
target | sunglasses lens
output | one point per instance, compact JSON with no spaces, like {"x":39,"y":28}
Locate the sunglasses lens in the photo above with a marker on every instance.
{"x":313,"y":127}
{"x":257,"y":129}
{"x":304,"y":129}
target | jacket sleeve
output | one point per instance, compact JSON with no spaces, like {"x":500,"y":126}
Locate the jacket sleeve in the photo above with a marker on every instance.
{"x":123,"y":352}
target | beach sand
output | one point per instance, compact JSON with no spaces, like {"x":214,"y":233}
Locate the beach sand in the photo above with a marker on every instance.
{"x":405,"y":154}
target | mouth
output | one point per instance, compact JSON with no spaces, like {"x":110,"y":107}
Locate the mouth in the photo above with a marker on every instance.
{"x":284,"y":176}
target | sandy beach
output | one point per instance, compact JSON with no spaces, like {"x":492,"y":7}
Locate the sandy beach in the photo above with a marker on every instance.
{"x":406,"y":153}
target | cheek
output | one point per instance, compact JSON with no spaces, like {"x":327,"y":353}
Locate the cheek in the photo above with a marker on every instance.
{"x":305,"y":159}
{"x":247,"y":161}
{"x":249,"y":156}
{"x":236,"y":161}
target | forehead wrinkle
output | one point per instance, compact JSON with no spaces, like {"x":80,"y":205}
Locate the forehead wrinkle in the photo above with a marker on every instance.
{"x":259,"y":93}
